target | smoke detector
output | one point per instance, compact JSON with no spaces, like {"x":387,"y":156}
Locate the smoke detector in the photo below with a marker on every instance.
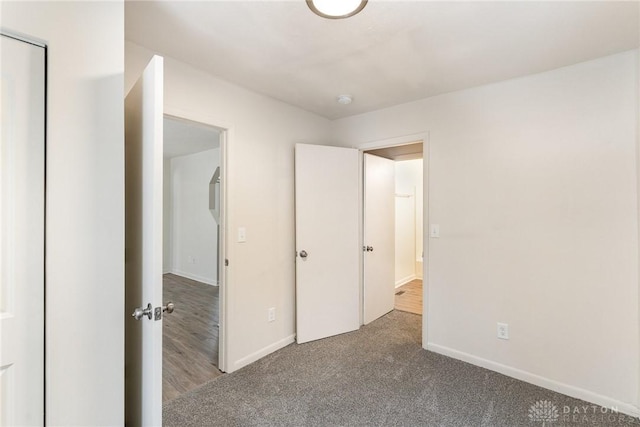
{"x":344,"y":99}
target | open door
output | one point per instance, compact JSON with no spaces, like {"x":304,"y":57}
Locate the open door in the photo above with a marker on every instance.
{"x":379,"y":236}
{"x":22,"y":195}
{"x":327,"y":246}
{"x":143,"y":248}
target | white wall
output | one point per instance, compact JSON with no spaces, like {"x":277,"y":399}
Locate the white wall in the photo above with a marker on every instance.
{"x":85,"y":202}
{"x":408,"y":220}
{"x":420,"y":221}
{"x":260,"y":182}
{"x":167,"y":207}
{"x":533,"y":182}
{"x":194,"y":250}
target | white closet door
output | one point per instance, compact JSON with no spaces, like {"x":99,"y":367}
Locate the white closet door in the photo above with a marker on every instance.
{"x":22,"y":156}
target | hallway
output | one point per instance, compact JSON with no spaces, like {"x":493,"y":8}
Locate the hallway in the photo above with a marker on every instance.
{"x":409,"y":297}
{"x":190,"y":336}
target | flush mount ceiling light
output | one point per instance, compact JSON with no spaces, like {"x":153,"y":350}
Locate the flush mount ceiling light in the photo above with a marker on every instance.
{"x":344,"y":99}
{"x":336,"y":9}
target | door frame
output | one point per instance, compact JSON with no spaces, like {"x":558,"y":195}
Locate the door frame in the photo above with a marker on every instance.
{"x":226,"y":135}
{"x":395,"y":142}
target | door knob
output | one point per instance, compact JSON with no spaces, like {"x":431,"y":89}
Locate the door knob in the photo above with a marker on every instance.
{"x":303,"y":254}
{"x":159,"y":310}
{"x":140,"y":312}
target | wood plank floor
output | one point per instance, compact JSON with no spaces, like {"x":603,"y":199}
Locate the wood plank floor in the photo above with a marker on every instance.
{"x":409,"y":297}
{"x":190,"y":335}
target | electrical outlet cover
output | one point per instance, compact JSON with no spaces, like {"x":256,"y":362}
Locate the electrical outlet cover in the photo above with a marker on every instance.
{"x":503,"y":331}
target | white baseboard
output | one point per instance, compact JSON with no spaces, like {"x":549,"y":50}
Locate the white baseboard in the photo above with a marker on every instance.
{"x":405,"y":280}
{"x":569,"y":390}
{"x":195,"y":277}
{"x":262,"y":352}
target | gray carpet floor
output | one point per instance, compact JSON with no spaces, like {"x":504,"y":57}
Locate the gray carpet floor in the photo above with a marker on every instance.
{"x":377,"y":376}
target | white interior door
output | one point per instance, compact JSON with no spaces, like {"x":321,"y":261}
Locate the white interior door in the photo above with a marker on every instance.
{"x":22,"y":151}
{"x":327,"y":241}
{"x":143,"y":248}
{"x":379,"y":236}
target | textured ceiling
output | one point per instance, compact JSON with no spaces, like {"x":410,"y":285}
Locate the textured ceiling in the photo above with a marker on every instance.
{"x":393,"y":52}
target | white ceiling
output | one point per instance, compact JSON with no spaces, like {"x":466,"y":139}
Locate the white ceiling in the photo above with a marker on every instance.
{"x":182,"y":138}
{"x":392,"y":52}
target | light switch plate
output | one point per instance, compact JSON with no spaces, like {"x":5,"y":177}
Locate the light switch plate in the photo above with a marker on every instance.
{"x":435,"y":231}
{"x":242,"y":234}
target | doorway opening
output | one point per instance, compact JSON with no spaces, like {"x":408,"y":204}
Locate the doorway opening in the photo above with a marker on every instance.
{"x":192,"y":254}
{"x":394,"y":177}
